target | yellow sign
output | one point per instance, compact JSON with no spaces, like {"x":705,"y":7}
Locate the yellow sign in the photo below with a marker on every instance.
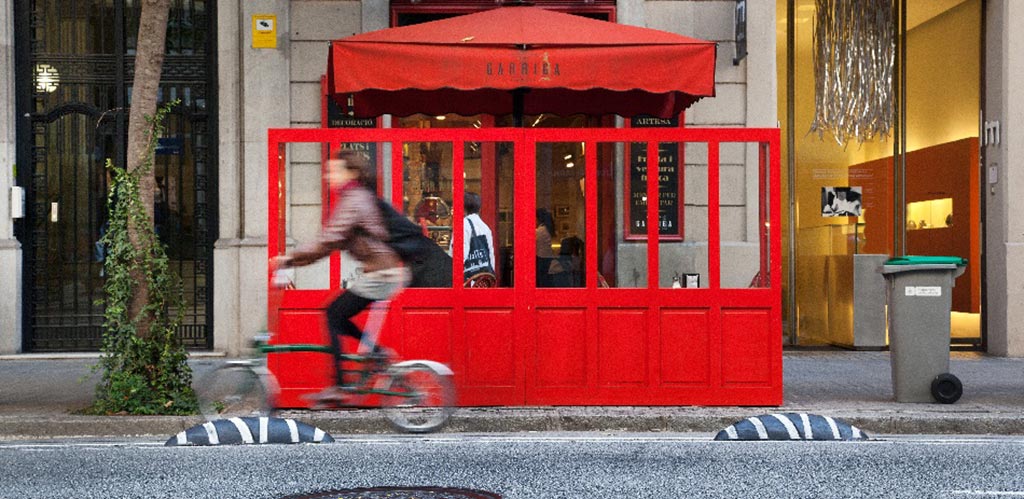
{"x":264,"y":31}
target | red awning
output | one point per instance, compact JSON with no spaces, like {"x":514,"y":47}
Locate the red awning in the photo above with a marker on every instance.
{"x":568,"y":64}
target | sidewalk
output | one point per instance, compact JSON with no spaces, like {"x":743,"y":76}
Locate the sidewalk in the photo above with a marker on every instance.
{"x":38,"y":393}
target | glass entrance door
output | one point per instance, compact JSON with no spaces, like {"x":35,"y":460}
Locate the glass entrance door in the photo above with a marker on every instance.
{"x":858,"y":200}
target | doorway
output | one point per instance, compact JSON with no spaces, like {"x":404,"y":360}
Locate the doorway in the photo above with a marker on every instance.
{"x":74,"y":77}
{"x":916,"y":190}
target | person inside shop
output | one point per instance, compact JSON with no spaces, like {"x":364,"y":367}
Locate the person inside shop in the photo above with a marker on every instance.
{"x":570,"y":256}
{"x":549,"y":270}
{"x":355,"y":225}
{"x":477,"y":246}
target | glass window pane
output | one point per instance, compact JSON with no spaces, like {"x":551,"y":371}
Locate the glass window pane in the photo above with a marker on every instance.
{"x":489,"y":213}
{"x":561,"y":217}
{"x":683,"y":261}
{"x":427,"y":201}
{"x":742,"y":183}
{"x":304,"y":209}
{"x":622,"y":263}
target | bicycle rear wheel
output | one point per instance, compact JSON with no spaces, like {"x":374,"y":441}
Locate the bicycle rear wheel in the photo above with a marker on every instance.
{"x":421,"y":399}
{"x":233,"y":390}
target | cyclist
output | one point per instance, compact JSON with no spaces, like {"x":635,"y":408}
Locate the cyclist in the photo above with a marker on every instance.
{"x":357,"y":226}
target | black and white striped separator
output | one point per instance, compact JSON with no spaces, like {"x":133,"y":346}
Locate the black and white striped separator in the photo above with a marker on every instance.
{"x":791,"y":426}
{"x":250,"y":430}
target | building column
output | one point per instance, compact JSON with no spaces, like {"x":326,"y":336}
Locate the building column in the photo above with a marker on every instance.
{"x":1004,"y":178}
{"x":10,"y":248}
{"x":253,"y":95}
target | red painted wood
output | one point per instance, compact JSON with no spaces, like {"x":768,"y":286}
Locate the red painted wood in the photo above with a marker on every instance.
{"x":745,"y":334}
{"x":684,"y":347}
{"x":622,"y":349}
{"x":592,"y":346}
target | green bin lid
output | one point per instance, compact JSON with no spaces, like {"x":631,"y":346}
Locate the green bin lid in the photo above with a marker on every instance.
{"x":927,"y":260}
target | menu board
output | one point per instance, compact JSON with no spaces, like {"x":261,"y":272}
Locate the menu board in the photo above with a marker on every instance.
{"x":669,"y":184}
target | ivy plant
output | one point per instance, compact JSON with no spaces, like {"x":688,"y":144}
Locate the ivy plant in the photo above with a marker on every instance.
{"x":145,"y":368}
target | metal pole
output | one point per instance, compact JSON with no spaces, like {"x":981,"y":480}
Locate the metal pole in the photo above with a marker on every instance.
{"x":791,"y":323}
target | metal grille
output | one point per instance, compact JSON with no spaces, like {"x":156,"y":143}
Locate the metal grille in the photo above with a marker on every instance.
{"x":76,"y":64}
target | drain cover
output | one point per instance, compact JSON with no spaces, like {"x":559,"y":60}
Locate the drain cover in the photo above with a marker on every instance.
{"x":399,"y":493}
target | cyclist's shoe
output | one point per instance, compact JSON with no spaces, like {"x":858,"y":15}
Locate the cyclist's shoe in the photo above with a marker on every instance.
{"x":332,"y":396}
{"x":383,"y":355}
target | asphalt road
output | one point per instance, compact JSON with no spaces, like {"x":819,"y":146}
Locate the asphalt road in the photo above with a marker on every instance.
{"x":537,"y":465}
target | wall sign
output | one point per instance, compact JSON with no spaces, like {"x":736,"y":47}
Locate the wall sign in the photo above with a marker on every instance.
{"x":334,"y":117}
{"x":740,"y":32}
{"x":264,"y":31}
{"x":670,"y":182}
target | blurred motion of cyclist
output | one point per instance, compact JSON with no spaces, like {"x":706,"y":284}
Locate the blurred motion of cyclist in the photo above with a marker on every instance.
{"x":356,"y":226}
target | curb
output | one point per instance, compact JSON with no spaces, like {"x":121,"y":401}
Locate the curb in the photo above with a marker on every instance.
{"x":697,"y":420}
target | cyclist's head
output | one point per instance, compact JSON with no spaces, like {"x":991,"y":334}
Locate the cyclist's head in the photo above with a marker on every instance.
{"x":344,"y":165}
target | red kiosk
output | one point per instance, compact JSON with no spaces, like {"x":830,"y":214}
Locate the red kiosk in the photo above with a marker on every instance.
{"x":621,"y":329}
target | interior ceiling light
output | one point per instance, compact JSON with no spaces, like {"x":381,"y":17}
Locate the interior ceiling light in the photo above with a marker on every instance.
{"x":854,"y":53}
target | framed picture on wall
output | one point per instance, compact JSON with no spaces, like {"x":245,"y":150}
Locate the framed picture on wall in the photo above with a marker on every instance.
{"x":561,"y":211}
{"x":841,"y":201}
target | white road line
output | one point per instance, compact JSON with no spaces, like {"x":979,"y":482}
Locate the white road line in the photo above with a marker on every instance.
{"x":951,"y":440}
{"x":60,"y":445}
{"x":476,"y":438}
{"x":988,"y":493}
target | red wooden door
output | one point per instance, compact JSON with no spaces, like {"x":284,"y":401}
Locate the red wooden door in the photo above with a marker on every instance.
{"x":537,"y":340}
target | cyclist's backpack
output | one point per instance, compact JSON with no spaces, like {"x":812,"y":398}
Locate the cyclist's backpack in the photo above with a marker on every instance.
{"x":407,"y":238}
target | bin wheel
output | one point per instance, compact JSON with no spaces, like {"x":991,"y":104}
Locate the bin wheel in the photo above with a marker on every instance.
{"x":947,"y":388}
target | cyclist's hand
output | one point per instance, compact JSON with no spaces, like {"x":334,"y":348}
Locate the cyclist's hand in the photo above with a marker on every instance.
{"x":283,"y":277}
{"x":280,"y":262}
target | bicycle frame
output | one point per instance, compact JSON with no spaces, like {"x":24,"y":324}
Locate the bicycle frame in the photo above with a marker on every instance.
{"x":369,"y":374}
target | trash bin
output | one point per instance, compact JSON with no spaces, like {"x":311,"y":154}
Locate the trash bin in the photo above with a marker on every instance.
{"x":919,"y":291}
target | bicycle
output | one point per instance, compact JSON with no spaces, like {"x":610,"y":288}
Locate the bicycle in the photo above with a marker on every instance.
{"x":416,"y":396}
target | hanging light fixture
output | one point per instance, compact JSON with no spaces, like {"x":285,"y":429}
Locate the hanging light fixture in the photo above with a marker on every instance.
{"x":854,"y":53}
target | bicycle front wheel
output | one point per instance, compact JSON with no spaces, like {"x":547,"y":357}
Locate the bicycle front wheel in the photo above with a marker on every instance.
{"x":420,"y":398}
{"x":233,"y":390}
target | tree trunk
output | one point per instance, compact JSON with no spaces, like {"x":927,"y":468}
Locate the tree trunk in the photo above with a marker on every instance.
{"x":149,"y":61}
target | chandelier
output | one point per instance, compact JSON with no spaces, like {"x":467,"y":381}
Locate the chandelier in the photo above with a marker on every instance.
{"x":854,"y":50}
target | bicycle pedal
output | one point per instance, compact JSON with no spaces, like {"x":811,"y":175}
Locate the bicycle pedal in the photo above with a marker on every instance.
{"x":330,"y":395}
{"x":329,"y":405}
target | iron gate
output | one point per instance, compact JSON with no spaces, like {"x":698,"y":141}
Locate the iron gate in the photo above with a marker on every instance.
{"x":75,"y":65}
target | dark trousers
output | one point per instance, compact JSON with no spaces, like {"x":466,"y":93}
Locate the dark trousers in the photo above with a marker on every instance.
{"x":339,"y":322}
